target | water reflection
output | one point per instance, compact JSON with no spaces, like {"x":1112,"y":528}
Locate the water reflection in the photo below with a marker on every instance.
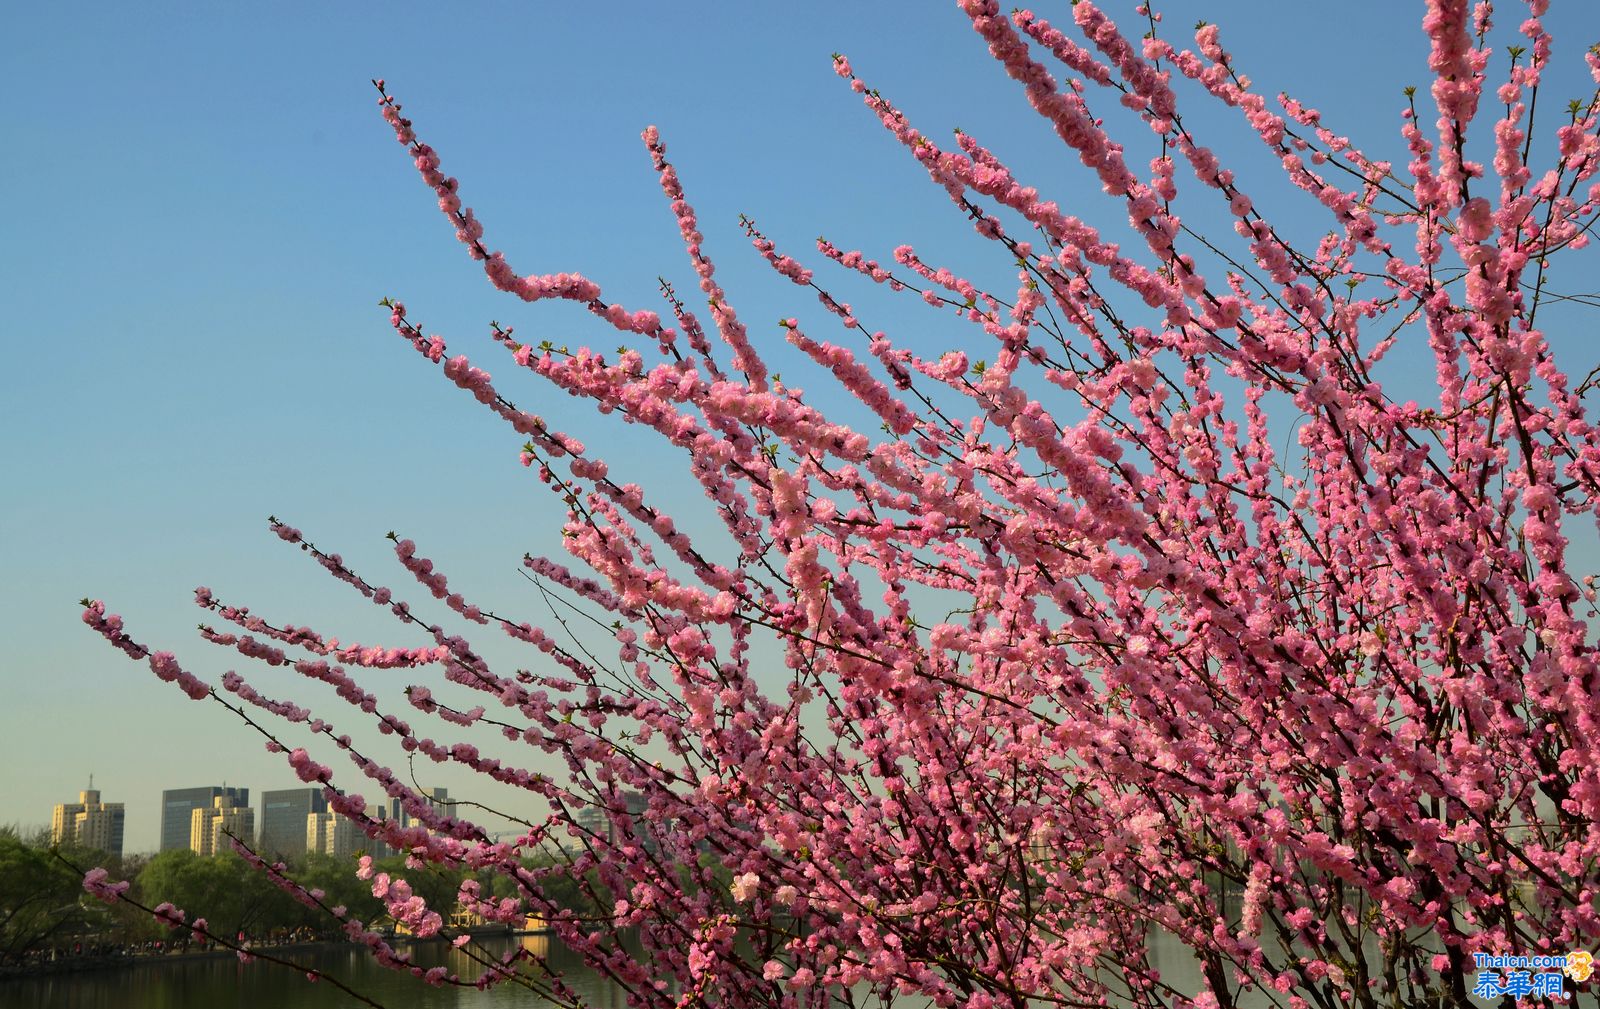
{"x":214,"y":983}
{"x":536,"y":945}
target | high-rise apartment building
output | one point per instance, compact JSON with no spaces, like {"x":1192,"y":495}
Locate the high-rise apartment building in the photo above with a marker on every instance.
{"x":597,"y":821}
{"x":438,"y":798}
{"x":331,"y":834}
{"x":283,"y":819}
{"x":334,"y":835}
{"x":209,"y":828}
{"x":178,"y":806}
{"x":89,"y":822}
{"x":375,"y":848}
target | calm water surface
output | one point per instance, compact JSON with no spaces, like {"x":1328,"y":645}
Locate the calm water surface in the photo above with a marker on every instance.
{"x":227,"y":984}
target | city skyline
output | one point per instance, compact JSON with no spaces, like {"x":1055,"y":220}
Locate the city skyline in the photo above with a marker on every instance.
{"x":179,"y":804}
{"x":192,"y":820}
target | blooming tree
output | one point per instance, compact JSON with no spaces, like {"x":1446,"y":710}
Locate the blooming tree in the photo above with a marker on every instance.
{"x":1155,"y":613}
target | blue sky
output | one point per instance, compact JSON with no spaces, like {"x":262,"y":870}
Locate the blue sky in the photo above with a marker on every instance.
{"x":205,"y":209}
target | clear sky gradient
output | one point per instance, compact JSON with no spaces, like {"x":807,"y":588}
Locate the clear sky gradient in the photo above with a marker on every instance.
{"x":205,"y":207}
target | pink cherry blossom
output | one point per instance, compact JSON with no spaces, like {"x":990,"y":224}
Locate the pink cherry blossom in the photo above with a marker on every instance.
{"x":1131,"y":585}
{"x":745,"y":886}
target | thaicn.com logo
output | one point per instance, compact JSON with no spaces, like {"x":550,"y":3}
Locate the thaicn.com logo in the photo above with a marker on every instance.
{"x":1530,"y":976}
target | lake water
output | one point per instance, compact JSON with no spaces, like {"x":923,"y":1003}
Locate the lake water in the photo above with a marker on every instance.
{"x":224,"y":983}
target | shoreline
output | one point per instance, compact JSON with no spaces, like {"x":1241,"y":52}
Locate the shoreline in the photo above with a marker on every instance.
{"x":103,"y":962}
{"x":73,"y":964}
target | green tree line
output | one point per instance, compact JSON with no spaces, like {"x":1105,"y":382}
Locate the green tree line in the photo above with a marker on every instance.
{"x":43,"y":906}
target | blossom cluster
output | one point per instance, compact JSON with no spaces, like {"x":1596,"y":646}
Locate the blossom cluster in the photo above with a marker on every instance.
{"x":1151,"y":608}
